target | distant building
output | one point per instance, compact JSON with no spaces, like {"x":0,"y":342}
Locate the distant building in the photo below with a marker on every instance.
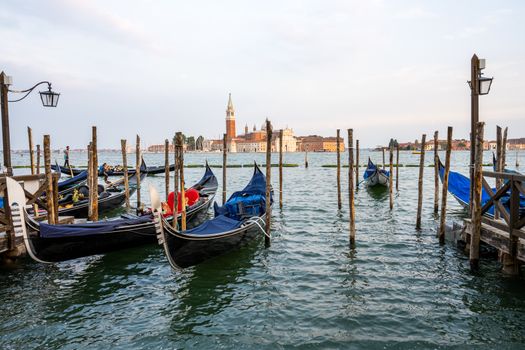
{"x":316,"y":143}
{"x":289,"y":141}
{"x":159,"y":148}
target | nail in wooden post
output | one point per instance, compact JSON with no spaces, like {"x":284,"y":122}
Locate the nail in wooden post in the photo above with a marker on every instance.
{"x":420,"y":182}
{"x":281,"y":169}
{"x":180,"y":144}
{"x":436,"y":173}
{"x":38,"y":159}
{"x":175,"y":222}
{"x":224,"y":160}
{"x":357,"y":163}
{"x":268,"y":181}
{"x":138,"y":162}
{"x":391,"y":177}
{"x":167,"y":167}
{"x":351,"y":185}
{"x":49,"y":181}
{"x":94,"y":149}
{"x":124,"y":148}
{"x":339,"y":205}
{"x":444,"y":189}
{"x":476,"y":200}
{"x":397,"y":166}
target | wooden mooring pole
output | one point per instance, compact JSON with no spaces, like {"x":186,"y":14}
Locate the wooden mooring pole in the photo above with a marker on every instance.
{"x":444,"y":189}
{"x":138,"y":162}
{"x":167,"y":167}
{"x":357,"y":163}
{"x":420,"y":182}
{"x":49,"y":181}
{"x":31,"y":151}
{"x":224,"y":164}
{"x":351,"y":185}
{"x":38,"y":159}
{"x":175,"y":222}
{"x":436,"y":173}
{"x":90,"y":180}
{"x":498,"y":164}
{"x":504,"y":149}
{"x":339,"y":205}
{"x":94,"y":149}
{"x":383,"y":150}
{"x":268,"y":181}
{"x":180,"y":145}
{"x":281,"y":169}
{"x":306,"y":157}
{"x":397,"y":166}
{"x":476,"y":197}
{"x":124,"y":148}
{"x":391,"y":177}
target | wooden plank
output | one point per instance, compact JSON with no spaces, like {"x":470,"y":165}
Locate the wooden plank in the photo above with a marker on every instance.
{"x":494,"y":200}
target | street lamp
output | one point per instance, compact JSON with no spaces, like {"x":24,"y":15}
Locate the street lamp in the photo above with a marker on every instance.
{"x":479,"y":85}
{"x":49,"y":98}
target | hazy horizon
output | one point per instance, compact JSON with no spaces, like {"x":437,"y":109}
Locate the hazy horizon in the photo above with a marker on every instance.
{"x":385,"y":69}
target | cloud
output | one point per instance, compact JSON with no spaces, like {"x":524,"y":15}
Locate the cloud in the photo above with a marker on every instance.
{"x":414,"y":13}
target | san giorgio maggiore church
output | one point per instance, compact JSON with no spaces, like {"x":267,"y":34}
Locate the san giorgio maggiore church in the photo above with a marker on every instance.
{"x":250,"y":141}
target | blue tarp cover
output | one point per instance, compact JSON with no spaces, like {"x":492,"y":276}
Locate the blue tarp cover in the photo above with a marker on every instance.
{"x":372,"y":168}
{"x":87,"y":229}
{"x":218,"y":224}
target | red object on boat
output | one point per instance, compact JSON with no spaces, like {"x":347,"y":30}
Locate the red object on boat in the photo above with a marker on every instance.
{"x":192,"y":196}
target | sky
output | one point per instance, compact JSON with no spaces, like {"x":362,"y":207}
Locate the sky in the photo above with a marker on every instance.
{"x":387,"y":69}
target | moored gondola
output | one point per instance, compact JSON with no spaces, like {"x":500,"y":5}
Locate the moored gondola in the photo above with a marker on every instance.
{"x":374,"y":176}
{"x":52,"y":243}
{"x":241,"y":219}
{"x":114,"y":171}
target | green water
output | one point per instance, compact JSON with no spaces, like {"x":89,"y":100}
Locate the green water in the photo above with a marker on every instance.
{"x":397,"y":289}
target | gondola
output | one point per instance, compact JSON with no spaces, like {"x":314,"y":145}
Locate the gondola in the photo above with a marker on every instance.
{"x":505,"y":170}
{"x":69,"y":185}
{"x":240,"y":220}
{"x":52,"y":243}
{"x":459,"y":187}
{"x":375,"y":176}
{"x":149,"y":170}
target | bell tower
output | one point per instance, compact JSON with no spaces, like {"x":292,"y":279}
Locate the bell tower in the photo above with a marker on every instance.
{"x":230,"y":120}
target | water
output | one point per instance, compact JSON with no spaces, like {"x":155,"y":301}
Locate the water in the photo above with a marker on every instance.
{"x":397,"y":289}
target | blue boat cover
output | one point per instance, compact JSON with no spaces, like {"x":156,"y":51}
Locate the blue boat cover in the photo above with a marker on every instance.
{"x":459,"y":186}
{"x":218,"y":224}
{"x":372,"y":168}
{"x":64,"y":184}
{"x":88,"y":229}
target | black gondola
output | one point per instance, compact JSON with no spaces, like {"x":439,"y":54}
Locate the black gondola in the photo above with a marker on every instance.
{"x":240,"y":220}
{"x":114,"y":172}
{"x":52,"y":243}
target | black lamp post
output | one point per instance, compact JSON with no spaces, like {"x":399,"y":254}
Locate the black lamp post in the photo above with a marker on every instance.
{"x":49,"y":99}
{"x":479,"y":85}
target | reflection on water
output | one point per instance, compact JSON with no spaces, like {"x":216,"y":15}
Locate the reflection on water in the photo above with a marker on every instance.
{"x":398,"y":287}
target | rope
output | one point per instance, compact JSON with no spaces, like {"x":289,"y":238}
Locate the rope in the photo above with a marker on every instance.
{"x":253,"y":220}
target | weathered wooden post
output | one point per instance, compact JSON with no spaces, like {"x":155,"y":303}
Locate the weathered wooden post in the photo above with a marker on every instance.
{"x":474,"y":116}
{"x":281,"y":169}
{"x":444,"y":189}
{"x":420,"y":182}
{"x":94,"y":150}
{"x":180,"y":144}
{"x":138,"y":163}
{"x":124,"y":148}
{"x":351,"y":185}
{"x":49,"y":181}
{"x":31,"y":152}
{"x":476,"y":205}
{"x":357,"y":163}
{"x":38,"y":159}
{"x":175,"y":222}
{"x":504,"y":149}
{"x":224,"y":164}
{"x":90,"y":182}
{"x":306,"y":157}
{"x":55,"y":197}
{"x":383,"y":150}
{"x":268,"y":181}
{"x":397,"y":166}
{"x":391,"y":177}
{"x":498,"y":164}
{"x":517,"y":160}
{"x":436,"y":173}
{"x":167,"y":167}
{"x":339,"y":205}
